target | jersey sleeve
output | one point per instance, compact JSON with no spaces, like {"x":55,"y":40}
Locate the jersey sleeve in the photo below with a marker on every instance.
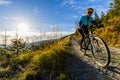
{"x":92,"y":19}
{"x":81,"y":21}
{"x":82,"y":18}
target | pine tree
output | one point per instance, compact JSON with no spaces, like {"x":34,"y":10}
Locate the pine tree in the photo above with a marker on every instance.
{"x":114,"y":8}
{"x":102,"y":16}
{"x":18,"y":44}
{"x":113,"y":12}
{"x":96,"y":17}
{"x":111,"y":6}
{"x":117,"y":7}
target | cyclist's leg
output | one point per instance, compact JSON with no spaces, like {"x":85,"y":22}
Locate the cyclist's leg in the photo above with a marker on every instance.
{"x":86,"y":34}
{"x":83,"y":36}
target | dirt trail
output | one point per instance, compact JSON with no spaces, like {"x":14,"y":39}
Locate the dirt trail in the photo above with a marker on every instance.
{"x":84,"y":67}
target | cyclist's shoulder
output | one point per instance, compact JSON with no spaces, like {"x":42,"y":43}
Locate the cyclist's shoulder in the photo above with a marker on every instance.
{"x":83,"y":18}
{"x":91,"y":18}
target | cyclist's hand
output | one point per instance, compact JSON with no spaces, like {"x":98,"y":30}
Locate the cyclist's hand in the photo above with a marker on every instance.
{"x":100,"y":25}
{"x":94,"y":22}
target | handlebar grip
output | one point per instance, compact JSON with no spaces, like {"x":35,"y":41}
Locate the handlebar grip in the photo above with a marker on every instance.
{"x":100,"y":25}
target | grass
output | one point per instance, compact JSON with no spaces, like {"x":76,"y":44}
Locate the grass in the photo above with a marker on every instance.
{"x":45,"y":64}
{"x":111,"y":36}
{"x":48,"y":61}
{"x":110,"y":32}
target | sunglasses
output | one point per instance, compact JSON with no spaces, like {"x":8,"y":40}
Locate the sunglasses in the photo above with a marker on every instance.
{"x":90,"y":12}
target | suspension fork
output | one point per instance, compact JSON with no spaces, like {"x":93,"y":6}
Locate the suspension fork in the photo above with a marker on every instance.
{"x":92,"y":43}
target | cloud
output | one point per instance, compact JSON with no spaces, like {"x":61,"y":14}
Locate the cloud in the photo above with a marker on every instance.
{"x":12,"y":18}
{"x":36,"y":10}
{"x":33,"y":36}
{"x":67,"y":3}
{"x":81,"y":5}
{"x":75,"y":16}
{"x":5,"y":2}
{"x":63,"y":27}
{"x":73,"y":29}
{"x":100,"y":8}
{"x":51,"y":26}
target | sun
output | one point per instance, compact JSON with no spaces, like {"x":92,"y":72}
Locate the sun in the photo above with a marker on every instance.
{"x":22,"y":28}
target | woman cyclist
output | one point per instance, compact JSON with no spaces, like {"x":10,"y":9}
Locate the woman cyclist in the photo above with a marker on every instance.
{"x":84,"y":22}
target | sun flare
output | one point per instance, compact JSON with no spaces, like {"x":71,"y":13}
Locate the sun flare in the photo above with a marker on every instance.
{"x":22,"y":28}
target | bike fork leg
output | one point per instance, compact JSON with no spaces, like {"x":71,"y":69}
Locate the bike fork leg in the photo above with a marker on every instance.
{"x":93,"y":47}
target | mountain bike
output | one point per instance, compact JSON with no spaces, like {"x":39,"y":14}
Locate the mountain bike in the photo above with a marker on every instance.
{"x":98,"y":46}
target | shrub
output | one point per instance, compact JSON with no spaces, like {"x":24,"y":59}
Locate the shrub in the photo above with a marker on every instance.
{"x":61,"y":77}
{"x":117,"y":28}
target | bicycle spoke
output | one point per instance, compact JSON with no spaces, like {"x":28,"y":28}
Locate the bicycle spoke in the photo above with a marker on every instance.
{"x":101,"y":52}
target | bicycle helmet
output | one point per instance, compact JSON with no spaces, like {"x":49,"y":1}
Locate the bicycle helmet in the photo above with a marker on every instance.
{"x":89,"y":10}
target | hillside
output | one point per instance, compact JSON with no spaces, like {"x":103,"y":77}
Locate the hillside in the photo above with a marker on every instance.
{"x":92,"y":71}
{"x":58,"y":60}
{"x":111,"y":32}
{"x":45,"y":62}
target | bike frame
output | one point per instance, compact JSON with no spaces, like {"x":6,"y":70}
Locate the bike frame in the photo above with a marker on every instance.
{"x":93,"y":45}
{"x":91,"y":37}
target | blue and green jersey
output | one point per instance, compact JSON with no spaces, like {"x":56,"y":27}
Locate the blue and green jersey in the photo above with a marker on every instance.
{"x":86,"y":21}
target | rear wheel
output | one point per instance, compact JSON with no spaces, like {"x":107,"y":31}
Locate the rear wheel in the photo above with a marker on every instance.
{"x":101,"y":53}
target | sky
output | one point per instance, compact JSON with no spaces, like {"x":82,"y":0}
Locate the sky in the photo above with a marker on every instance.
{"x":43,"y":15}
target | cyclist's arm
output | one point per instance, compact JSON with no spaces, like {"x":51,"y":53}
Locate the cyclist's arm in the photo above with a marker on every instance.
{"x":78,"y":27}
{"x":97,"y":24}
{"x":80,"y":22}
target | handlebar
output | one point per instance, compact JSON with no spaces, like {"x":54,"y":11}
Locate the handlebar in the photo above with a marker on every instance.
{"x":95,"y":24}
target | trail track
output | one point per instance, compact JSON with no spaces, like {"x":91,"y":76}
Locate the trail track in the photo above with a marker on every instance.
{"x":84,"y":67}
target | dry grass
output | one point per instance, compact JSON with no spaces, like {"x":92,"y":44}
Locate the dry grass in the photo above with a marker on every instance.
{"x":46,"y":63}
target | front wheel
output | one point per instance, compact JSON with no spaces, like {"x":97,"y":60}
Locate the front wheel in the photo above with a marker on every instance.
{"x":101,"y":52}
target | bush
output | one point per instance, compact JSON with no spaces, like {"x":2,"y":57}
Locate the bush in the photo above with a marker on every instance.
{"x":117,"y":28}
{"x":44,"y":64}
{"x":61,"y":77}
{"x":50,"y":64}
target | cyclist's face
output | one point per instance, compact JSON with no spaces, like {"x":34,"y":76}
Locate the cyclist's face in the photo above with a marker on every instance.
{"x":89,"y":13}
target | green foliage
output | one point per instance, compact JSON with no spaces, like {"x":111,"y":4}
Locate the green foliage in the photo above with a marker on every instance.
{"x":18,"y":44}
{"x":49,"y":64}
{"x":110,"y":33}
{"x":44,"y":63}
{"x":102,"y":16}
{"x":62,"y":77}
{"x":28,"y":75}
{"x":22,"y":59}
{"x":117,"y":28}
{"x":114,"y":10}
{"x":35,"y":47}
{"x":96,"y":17}
{"x":2,"y":51}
